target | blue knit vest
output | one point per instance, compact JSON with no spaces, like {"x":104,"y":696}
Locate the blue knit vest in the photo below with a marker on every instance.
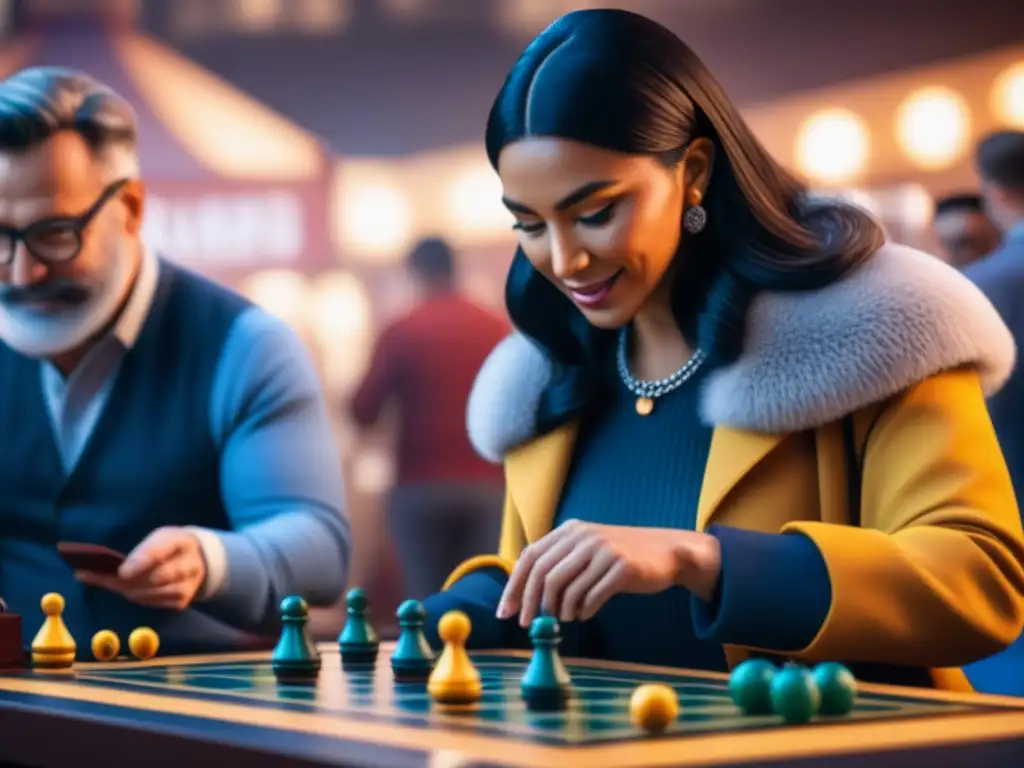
{"x":150,"y":462}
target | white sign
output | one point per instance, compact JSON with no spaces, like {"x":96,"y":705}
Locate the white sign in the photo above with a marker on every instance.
{"x":218,"y":229}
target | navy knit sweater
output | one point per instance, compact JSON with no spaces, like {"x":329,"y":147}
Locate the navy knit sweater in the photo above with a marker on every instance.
{"x":633,"y":470}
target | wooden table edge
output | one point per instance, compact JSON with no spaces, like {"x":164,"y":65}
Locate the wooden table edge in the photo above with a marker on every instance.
{"x":816,"y":740}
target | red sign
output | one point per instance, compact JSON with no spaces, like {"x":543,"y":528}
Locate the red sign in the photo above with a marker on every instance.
{"x":217,"y":226}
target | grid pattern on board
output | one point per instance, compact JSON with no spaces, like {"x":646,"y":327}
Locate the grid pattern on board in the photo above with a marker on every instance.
{"x":597,"y":714}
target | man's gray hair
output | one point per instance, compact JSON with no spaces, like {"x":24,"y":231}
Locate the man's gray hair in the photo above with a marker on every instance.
{"x":38,"y":102}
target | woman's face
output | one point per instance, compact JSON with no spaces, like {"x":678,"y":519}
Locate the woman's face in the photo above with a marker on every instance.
{"x":602,"y":226}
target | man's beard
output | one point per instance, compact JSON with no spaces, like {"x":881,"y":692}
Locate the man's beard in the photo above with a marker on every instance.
{"x":78,"y":310}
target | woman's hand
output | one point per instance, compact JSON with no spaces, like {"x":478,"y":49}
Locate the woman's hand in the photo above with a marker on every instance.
{"x":576,"y":568}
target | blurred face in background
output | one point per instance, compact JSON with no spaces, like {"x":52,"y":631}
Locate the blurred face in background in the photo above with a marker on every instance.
{"x":1005,"y":207}
{"x":68,"y":238}
{"x":965,"y":235}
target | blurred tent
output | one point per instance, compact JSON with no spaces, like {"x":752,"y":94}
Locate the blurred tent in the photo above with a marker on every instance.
{"x":233,"y":186}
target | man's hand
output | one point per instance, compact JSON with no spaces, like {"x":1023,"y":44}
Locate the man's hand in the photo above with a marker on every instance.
{"x":165,"y":571}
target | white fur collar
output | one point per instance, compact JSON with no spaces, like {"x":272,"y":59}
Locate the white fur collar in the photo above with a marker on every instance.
{"x":809,"y":358}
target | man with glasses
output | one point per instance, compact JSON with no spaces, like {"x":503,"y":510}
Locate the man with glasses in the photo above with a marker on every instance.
{"x":144,"y":408}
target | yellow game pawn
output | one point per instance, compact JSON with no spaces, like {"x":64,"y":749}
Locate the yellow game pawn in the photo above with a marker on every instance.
{"x":454,"y":680}
{"x":143,"y":642}
{"x":105,"y":645}
{"x":653,"y":707}
{"x":53,"y":647}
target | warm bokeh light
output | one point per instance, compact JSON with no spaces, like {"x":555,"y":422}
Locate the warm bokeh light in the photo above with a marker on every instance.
{"x":405,"y":10}
{"x":262,"y":15}
{"x":376,"y":218}
{"x":832,"y":146}
{"x":339,"y":304}
{"x":918,"y":206}
{"x":1008,"y":96}
{"x":322,"y":16}
{"x":474,"y":202}
{"x":339,"y":313}
{"x":933,"y":126}
{"x":526,"y":16}
{"x":373,"y":471}
{"x":281,"y":292}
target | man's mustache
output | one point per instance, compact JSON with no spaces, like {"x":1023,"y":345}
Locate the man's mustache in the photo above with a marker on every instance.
{"x":56,"y":292}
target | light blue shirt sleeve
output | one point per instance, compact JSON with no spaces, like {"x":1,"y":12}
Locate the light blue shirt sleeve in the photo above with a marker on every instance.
{"x":281,"y":481}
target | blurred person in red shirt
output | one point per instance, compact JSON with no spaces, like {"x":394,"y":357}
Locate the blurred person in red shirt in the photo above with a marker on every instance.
{"x":446,"y":502}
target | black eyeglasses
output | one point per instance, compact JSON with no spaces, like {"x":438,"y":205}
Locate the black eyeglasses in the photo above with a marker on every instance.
{"x":55,"y":240}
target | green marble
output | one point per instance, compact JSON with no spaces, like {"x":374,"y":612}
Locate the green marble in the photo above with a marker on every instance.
{"x":795,"y":696}
{"x":838,"y":688}
{"x":750,"y":686}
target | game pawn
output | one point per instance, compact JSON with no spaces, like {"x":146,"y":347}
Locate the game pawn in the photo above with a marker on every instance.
{"x":546,"y":684}
{"x":358,"y":641}
{"x":53,"y":646}
{"x":413,"y":658}
{"x":295,"y":658}
{"x":454,"y":681}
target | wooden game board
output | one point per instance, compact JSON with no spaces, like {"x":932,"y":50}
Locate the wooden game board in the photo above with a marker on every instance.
{"x":235,"y":698}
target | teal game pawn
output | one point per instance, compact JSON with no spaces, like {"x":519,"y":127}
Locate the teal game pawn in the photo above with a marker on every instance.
{"x":546,"y":684}
{"x":413,"y":658}
{"x":838,"y":688}
{"x":295,"y":658}
{"x":750,"y":686}
{"x":358,"y":641}
{"x":795,"y":696}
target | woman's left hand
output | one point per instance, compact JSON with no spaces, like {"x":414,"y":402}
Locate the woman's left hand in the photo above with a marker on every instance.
{"x":576,"y":568}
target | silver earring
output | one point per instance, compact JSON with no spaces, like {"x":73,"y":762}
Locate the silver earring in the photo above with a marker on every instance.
{"x":694,"y":219}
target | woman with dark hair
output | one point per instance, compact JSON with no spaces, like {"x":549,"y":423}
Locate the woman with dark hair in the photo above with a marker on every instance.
{"x":734,"y":419}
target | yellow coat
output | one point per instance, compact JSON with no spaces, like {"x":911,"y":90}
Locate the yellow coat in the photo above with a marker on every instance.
{"x":932,"y":576}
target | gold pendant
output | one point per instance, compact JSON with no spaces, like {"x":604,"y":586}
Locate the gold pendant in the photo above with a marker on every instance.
{"x":644,"y":406}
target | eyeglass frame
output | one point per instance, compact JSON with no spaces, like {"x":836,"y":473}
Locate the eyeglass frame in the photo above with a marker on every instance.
{"x":77,"y":224}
